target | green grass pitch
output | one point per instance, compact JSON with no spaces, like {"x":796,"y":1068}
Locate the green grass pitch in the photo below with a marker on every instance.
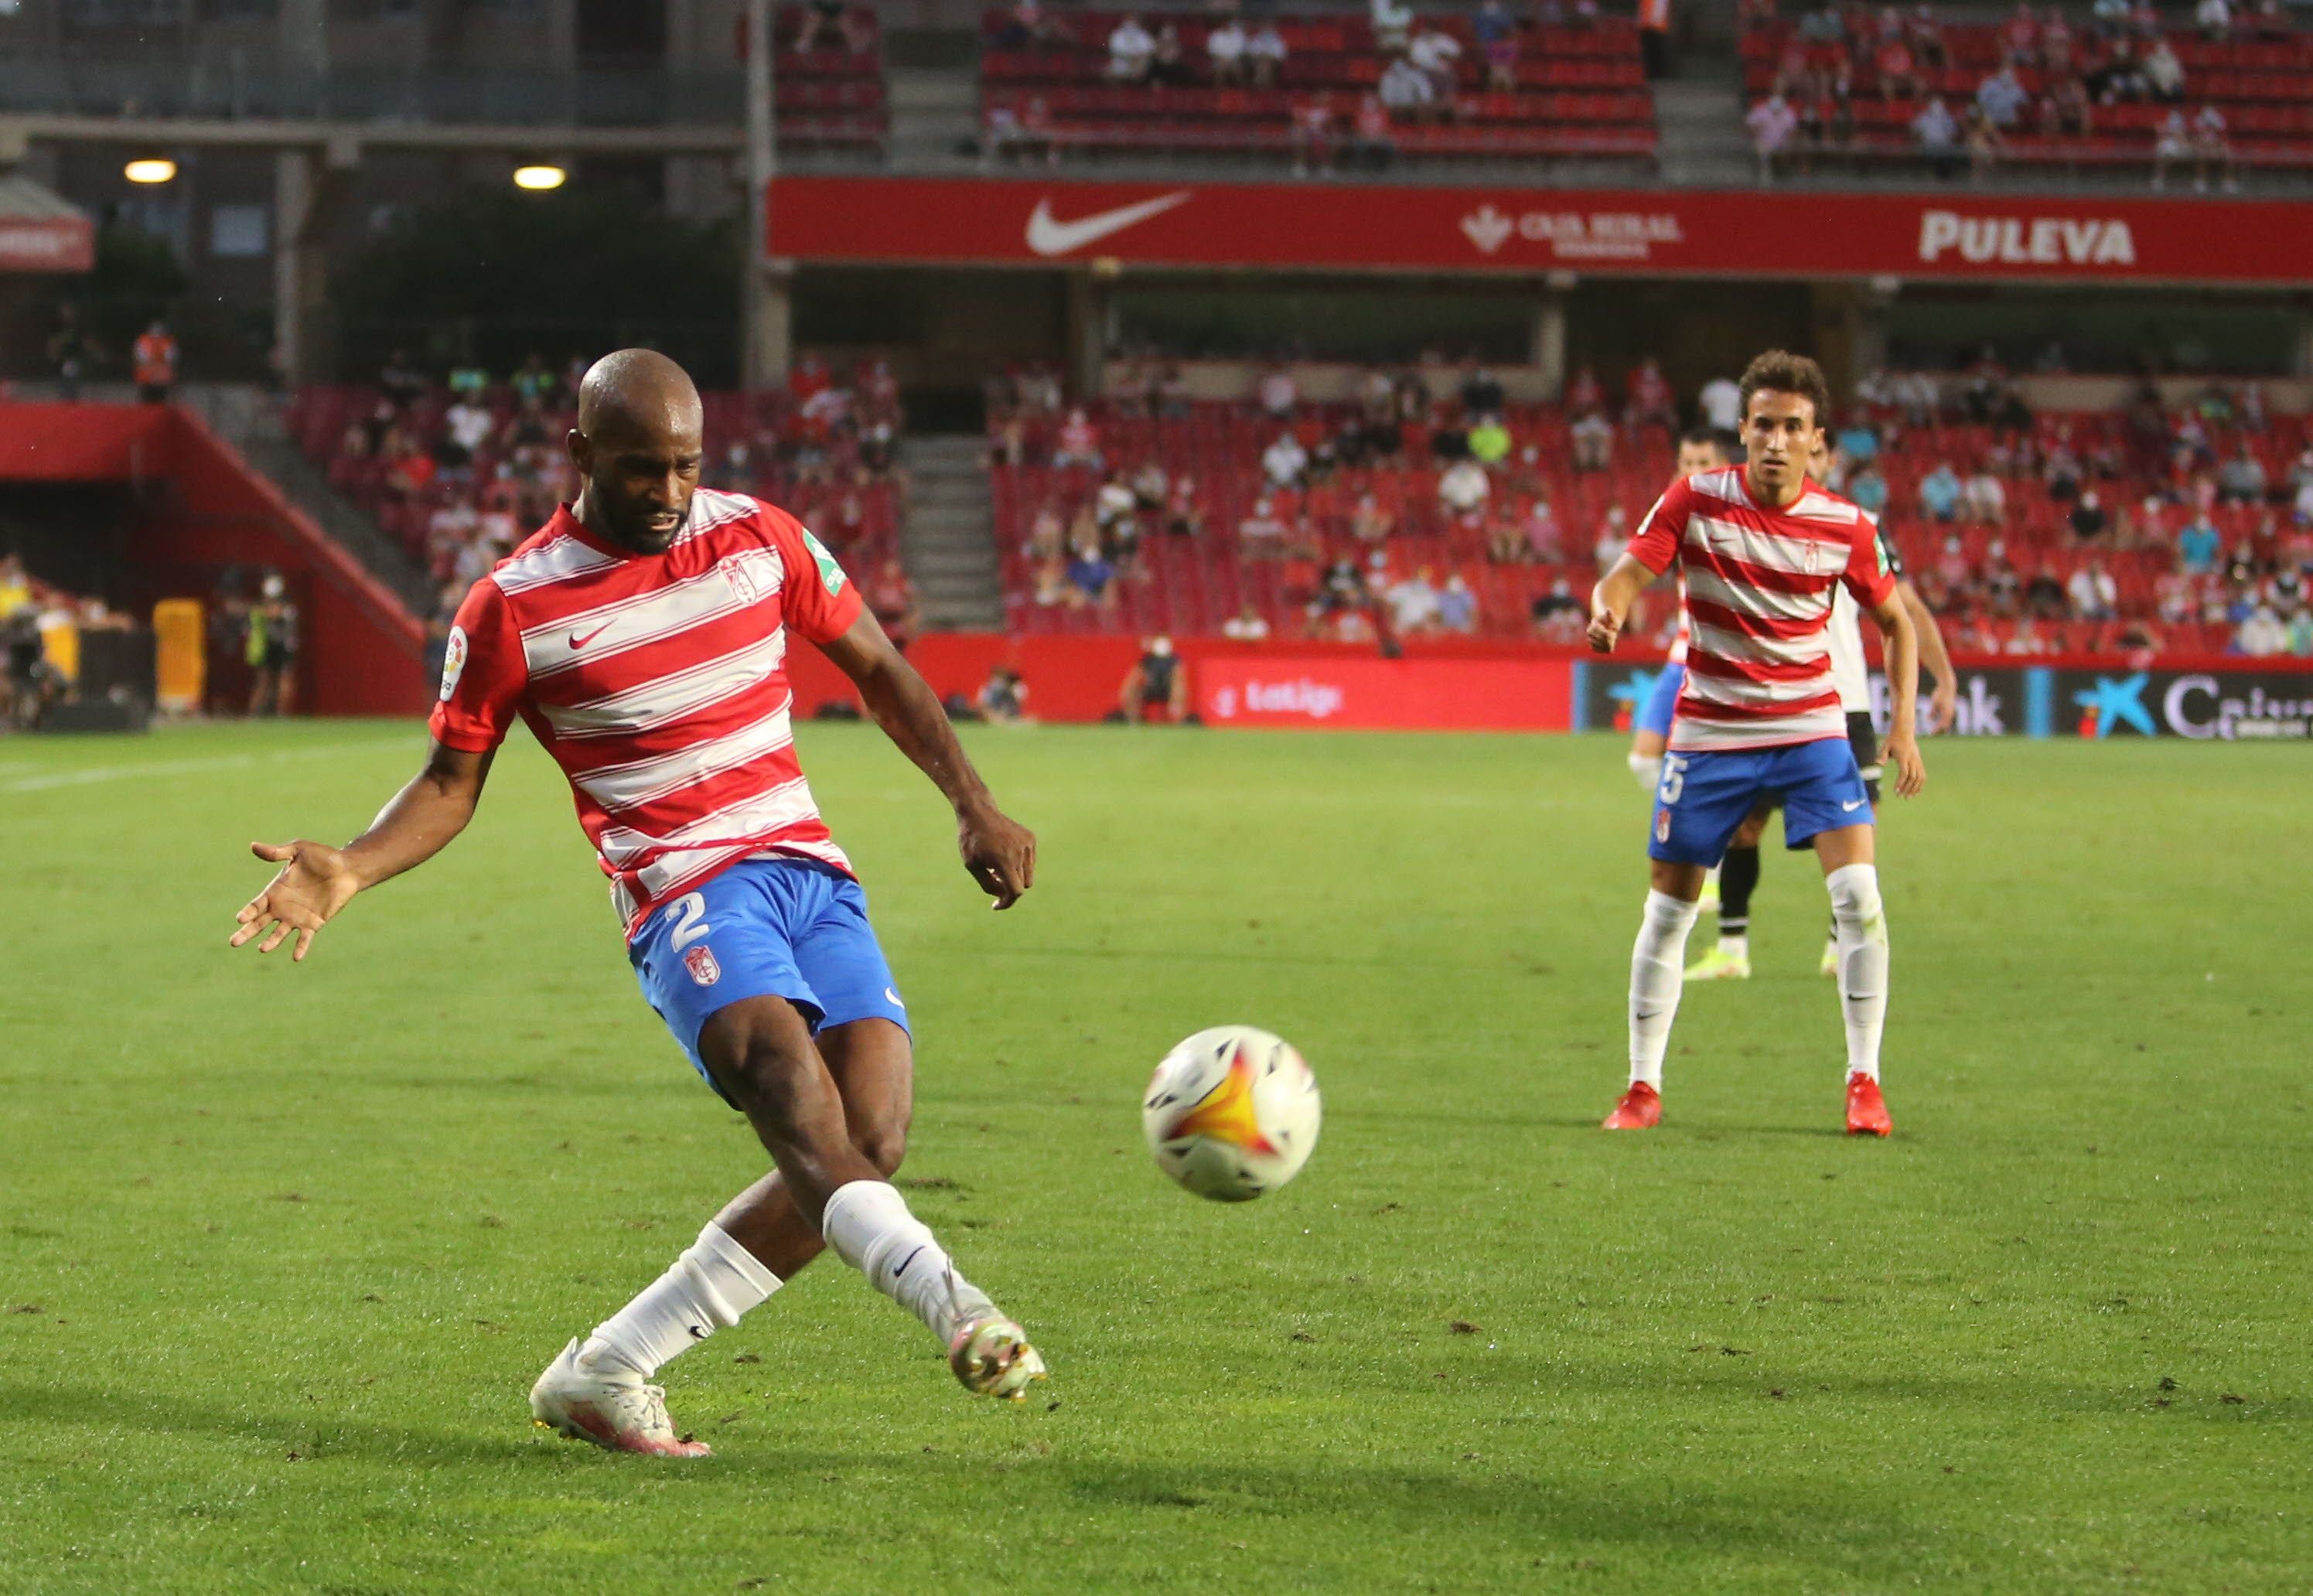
{"x":282,"y":1248}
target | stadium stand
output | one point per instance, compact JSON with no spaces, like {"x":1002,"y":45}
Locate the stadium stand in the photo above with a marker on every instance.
{"x":831,"y":93}
{"x":2084,"y":92}
{"x":1192,"y":529}
{"x":1327,"y":93}
{"x":457,"y":478}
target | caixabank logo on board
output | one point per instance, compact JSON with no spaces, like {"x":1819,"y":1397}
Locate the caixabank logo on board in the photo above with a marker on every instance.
{"x":2203,"y":705}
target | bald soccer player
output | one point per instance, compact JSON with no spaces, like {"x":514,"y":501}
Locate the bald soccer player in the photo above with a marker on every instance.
{"x":640,"y":634}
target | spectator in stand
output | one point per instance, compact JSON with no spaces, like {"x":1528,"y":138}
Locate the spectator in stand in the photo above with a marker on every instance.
{"x":1370,"y":521}
{"x":2094,"y":595}
{"x":1155,"y":689}
{"x":2212,"y":149}
{"x":1246,"y":626}
{"x":1772,"y":122}
{"x":1926,"y":36}
{"x":2261,"y":635}
{"x":1558,"y":614}
{"x":1265,"y":56}
{"x":1371,"y":146}
{"x":1941,"y":492}
{"x":1481,"y":392}
{"x":2043,"y":595}
{"x":1406,"y":92}
{"x":1226,"y":45}
{"x":1463,"y":487}
{"x":1439,"y":55}
{"x":1026,"y":27}
{"x":1899,"y":72}
{"x":1413,"y":603}
{"x":2026,"y":640}
{"x":1391,"y":21}
{"x":1263,"y":532}
{"x":1984,"y":141}
{"x":1131,"y":51}
{"x":1458,"y":607}
{"x":1285,"y":463}
{"x":1720,"y":404}
{"x":1650,"y":402}
{"x":1092,"y":580}
{"x":1079,"y":444}
{"x":1591,"y":441}
{"x":1613,"y":537}
{"x":891,"y":598}
{"x":1277,"y":393}
{"x":1311,"y":132}
{"x":2001,"y":97}
{"x":2241,"y":480}
{"x":2198,"y":546}
{"x":2164,"y":74}
{"x":2019,"y":36}
{"x":1984,"y":498}
{"x":1869,"y":489}
{"x":2215,"y":18}
{"x":1499,"y":50}
{"x":466,"y":426}
{"x":1489,"y":440}
{"x":1169,"y":67}
{"x":2087,"y":520}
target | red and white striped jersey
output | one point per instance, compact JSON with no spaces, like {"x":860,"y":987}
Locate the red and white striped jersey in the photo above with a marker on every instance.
{"x":1759,"y":586}
{"x":657,"y":682}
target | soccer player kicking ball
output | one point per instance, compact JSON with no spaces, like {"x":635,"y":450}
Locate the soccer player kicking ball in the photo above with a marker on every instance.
{"x":1762,"y":550}
{"x":640,"y":634}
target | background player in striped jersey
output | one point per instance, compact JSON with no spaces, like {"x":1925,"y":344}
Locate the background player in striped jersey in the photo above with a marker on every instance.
{"x":1761,"y":549}
{"x":1701,"y":449}
{"x":641,"y":635}
{"x":1738,"y":875}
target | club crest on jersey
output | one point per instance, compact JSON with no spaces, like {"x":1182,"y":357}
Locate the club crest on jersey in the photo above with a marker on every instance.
{"x":701,"y":962}
{"x":742,"y":580}
{"x":1662,"y":830}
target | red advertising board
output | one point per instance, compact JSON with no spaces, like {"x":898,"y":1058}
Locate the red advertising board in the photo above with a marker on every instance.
{"x":1398,"y":227}
{"x":1333,"y":691}
{"x":47,"y":244}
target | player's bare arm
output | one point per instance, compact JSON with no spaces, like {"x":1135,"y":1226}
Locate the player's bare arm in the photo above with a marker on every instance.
{"x":1935,"y":659}
{"x":1903,"y":641}
{"x":999,"y":852}
{"x":1611,"y":600}
{"x":316,"y":881}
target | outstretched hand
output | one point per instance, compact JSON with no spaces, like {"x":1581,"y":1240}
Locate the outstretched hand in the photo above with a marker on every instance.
{"x":314,"y":883}
{"x":999,"y":852}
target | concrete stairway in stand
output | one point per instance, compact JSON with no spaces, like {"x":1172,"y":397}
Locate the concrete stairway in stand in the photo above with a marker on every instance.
{"x":948,"y":539}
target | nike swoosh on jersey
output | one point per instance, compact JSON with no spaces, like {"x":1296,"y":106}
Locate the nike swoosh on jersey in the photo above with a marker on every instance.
{"x":1049,"y":236}
{"x":577,"y":642}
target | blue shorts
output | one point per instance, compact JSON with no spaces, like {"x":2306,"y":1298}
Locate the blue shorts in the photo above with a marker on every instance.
{"x":1654,"y":715}
{"x":791,"y":928}
{"x":1704,"y":797}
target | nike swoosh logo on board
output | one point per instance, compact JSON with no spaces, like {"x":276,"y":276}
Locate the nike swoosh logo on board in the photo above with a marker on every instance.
{"x":1049,"y":236}
{"x":577,"y":642}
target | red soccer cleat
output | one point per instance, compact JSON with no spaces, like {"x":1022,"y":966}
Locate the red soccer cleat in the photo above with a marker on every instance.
{"x":1639,"y":1110}
{"x":1866,"y":1110}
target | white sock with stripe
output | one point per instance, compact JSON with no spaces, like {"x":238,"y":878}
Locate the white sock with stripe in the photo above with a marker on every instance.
{"x":1657,"y":972}
{"x":708,"y":1289}
{"x":868,"y":1224}
{"x":1860,"y":923}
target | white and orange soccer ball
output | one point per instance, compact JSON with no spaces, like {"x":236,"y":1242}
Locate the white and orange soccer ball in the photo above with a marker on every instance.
{"x":1231,"y":1113}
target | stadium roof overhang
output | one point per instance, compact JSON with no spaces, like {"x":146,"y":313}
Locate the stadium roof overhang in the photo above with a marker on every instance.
{"x":345,"y":140}
{"x":1391,"y":228}
{"x":39,"y":232}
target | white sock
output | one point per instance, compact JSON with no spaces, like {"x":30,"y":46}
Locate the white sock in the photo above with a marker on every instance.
{"x":1657,"y":970}
{"x":1862,"y":924}
{"x":705,"y":1290}
{"x":1648,"y":770}
{"x":868,"y":1224}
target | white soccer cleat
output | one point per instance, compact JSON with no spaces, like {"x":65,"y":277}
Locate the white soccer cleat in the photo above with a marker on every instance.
{"x":615,"y":1410}
{"x":1828,"y":965}
{"x":991,"y":1356}
{"x":1719,"y":965}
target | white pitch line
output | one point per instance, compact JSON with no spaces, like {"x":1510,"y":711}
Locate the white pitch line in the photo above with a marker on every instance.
{"x":104,"y":772}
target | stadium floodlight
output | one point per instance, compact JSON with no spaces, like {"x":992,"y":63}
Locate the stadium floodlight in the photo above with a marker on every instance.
{"x":151,"y":169}
{"x":540,"y":176}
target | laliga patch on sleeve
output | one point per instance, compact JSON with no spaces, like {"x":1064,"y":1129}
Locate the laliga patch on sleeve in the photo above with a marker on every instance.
{"x":831,"y":575}
{"x":453,"y":662}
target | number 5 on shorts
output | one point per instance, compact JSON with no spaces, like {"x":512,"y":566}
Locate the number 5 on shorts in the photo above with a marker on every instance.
{"x":1674,"y":779}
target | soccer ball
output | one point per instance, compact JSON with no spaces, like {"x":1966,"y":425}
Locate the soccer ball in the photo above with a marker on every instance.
{"x":1231,"y":1113}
